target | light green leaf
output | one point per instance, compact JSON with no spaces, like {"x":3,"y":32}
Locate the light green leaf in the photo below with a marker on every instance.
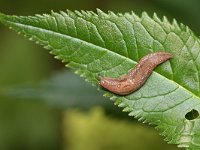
{"x":111,"y":44}
{"x":60,"y":90}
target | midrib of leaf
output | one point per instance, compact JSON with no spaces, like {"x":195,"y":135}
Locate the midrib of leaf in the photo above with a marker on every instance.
{"x":128,"y":101}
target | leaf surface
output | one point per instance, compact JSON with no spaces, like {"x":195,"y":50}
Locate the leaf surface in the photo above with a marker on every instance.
{"x":100,"y":44}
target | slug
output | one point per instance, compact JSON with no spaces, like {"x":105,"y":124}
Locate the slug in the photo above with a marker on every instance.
{"x":137,"y":76}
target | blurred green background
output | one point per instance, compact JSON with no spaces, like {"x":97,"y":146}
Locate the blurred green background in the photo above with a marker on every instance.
{"x":46,"y":107}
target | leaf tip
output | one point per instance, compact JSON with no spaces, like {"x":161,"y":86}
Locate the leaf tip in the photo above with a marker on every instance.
{"x":144,"y":14}
{"x":175,"y":24}
{"x":52,"y":11}
{"x":101,"y":13}
{"x":112,"y":13}
{"x":78,"y":13}
{"x":156,"y":18}
{"x":165,"y":20}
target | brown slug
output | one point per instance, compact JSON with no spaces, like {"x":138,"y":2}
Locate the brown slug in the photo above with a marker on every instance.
{"x":137,"y":76}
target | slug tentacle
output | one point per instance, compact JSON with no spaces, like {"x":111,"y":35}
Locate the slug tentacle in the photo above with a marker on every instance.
{"x":137,"y":76}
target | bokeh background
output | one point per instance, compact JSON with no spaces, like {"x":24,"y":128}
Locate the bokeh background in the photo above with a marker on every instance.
{"x":46,"y":107}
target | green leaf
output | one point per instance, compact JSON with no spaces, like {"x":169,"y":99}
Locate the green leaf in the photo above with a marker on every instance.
{"x":111,"y":44}
{"x":60,"y":90}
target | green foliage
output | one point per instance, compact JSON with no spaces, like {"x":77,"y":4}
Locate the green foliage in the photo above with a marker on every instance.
{"x":89,"y":128}
{"x":61,"y":90}
{"x":111,"y":44}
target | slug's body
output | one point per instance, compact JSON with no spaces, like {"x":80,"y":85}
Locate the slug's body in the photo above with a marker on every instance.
{"x":129,"y":83}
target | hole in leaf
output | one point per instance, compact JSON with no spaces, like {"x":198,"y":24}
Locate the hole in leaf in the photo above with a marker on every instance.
{"x":193,"y":114}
